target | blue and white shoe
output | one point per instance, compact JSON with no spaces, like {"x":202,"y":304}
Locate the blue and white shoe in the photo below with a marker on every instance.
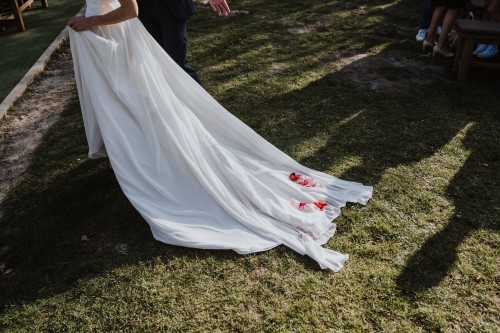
{"x":479,"y":48}
{"x":421,"y":35}
{"x":490,"y":52}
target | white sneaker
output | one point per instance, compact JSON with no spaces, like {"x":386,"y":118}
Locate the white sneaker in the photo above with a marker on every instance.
{"x":421,"y":35}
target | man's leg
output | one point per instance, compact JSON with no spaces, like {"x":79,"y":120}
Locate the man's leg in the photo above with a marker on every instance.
{"x":425,"y":20}
{"x":168,"y":31}
{"x":175,"y":42}
{"x":427,"y":11}
{"x":147,"y":16}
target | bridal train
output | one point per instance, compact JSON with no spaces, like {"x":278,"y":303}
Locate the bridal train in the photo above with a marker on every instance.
{"x":199,"y":176}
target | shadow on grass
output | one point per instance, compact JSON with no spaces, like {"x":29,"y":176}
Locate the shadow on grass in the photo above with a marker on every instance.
{"x":46,"y":215}
{"x":476,"y":198}
{"x":63,"y":197}
{"x":384,"y":130}
{"x":385,"y":133}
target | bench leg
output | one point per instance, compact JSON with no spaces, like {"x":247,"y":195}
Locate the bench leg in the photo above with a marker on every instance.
{"x":17,"y":15}
{"x":463,"y":67}
{"x":459,"y":54}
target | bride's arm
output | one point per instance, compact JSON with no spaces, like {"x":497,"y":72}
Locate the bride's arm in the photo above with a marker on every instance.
{"x":126,"y":11}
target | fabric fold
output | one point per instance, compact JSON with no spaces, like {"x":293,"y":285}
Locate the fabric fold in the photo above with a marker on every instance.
{"x":199,"y":176}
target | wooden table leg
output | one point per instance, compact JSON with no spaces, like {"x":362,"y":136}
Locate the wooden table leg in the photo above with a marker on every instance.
{"x":459,"y":54}
{"x":463,"y":68}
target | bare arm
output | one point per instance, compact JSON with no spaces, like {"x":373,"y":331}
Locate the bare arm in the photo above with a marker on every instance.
{"x":126,"y":11}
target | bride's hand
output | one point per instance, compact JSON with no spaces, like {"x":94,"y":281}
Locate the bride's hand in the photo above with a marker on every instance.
{"x":220,"y":6}
{"x":80,"y":23}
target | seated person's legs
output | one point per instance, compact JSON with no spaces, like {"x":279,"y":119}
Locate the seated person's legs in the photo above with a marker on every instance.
{"x":491,"y":13}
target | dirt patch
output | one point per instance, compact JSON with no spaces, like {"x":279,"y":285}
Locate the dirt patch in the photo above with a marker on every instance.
{"x":23,"y":127}
{"x":386,"y":70}
{"x":391,"y":70}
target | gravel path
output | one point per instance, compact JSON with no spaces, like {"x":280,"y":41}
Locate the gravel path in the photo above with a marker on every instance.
{"x":23,"y":127}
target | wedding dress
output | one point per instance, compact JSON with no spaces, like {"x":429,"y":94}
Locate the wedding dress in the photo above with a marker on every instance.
{"x":199,"y":176}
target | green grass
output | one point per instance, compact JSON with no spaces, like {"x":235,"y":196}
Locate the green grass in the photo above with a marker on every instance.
{"x":423,"y":252}
{"x":20,"y":50}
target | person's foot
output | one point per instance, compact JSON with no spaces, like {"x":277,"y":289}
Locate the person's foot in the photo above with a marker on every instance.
{"x":479,"y":48}
{"x":421,"y":35}
{"x":442,"y":52}
{"x":489,"y":52}
{"x":427,"y":46}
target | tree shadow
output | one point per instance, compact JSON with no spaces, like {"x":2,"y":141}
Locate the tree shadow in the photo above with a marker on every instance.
{"x":45,"y":216}
{"x":473,"y":190}
{"x":380,"y":131}
{"x":62,"y":197}
{"x":383,"y":130}
{"x":376,"y":129}
{"x":413,"y":117}
{"x":68,"y":221}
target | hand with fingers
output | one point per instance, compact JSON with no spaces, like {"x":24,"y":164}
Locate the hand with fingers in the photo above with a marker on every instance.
{"x":80,"y":23}
{"x":220,"y":7}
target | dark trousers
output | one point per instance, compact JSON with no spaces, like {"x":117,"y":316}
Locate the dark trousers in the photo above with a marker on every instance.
{"x":427,"y":10}
{"x":169,"y":32}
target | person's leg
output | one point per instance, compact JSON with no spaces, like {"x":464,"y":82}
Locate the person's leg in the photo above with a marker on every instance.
{"x":448,"y":20}
{"x":480,"y":47}
{"x":425,"y":20}
{"x":491,"y":13}
{"x":174,"y":32}
{"x":147,"y":16}
{"x":427,"y":10}
{"x":492,"y":10}
{"x":436,"y":17}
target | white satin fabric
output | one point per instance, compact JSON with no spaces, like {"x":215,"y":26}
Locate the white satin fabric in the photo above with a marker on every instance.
{"x":200,"y":177}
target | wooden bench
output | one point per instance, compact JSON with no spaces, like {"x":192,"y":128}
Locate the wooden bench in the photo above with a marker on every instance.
{"x":472,"y":32}
{"x":16,"y":8}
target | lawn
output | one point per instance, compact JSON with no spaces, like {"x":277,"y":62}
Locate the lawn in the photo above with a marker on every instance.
{"x":342,"y":87}
{"x":20,"y":50}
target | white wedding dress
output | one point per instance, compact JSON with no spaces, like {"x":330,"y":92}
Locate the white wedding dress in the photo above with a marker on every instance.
{"x":200,"y":177}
